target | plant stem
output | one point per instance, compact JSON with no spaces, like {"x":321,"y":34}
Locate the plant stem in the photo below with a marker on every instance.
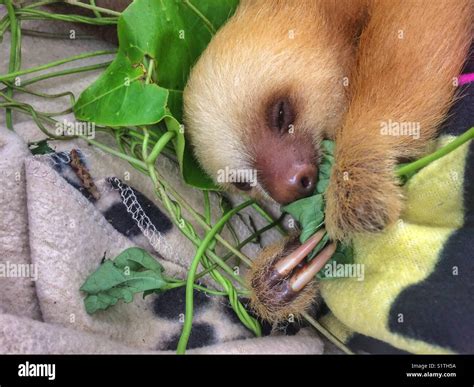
{"x":162,"y":187}
{"x":203,"y":223}
{"x":96,"y":13}
{"x":149,"y":71}
{"x":94,"y":8}
{"x":239,"y":246}
{"x":43,"y":2}
{"x":62,"y":72}
{"x":188,"y":317}
{"x":408,"y":169}
{"x":114,"y":152}
{"x":44,"y":95}
{"x":6,"y":20}
{"x":178,"y":284}
{"x":158,"y":147}
{"x":15,"y":51}
{"x":205,"y":20}
{"x":207,"y":207}
{"x":257,"y":207}
{"x":50,"y":35}
{"x":146,"y":137}
{"x":15,"y":74}
{"x":33,"y":14}
{"x":333,"y":339}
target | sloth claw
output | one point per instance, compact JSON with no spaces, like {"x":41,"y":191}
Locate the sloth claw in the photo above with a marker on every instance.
{"x":286,"y":265}
{"x":281,"y":284}
{"x":306,"y":274}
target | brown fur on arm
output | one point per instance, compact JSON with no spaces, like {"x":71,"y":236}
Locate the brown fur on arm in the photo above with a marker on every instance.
{"x":409,"y":54}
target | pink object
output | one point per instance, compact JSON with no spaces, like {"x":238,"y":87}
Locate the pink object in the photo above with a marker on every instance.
{"x":465,"y":78}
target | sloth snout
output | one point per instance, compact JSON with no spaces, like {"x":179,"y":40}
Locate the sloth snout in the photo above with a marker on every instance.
{"x":298,"y":181}
{"x":286,"y":166}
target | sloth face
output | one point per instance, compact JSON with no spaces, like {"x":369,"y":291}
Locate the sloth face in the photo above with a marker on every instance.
{"x":260,"y":100}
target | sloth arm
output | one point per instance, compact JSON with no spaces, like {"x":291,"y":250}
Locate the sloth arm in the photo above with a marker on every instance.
{"x":408,"y":57}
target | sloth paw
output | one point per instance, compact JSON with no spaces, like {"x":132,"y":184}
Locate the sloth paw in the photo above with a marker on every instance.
{"x":364,"y":200}
{"x":280,"y":281}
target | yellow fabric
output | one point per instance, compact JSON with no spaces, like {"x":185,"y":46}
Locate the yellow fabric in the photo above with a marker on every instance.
{"x":404,"y":254}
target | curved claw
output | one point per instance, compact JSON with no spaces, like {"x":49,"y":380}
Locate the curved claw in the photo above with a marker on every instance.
{"x":286,"y":265}
{"x":306,"y":274}
{"x":282,"y":284}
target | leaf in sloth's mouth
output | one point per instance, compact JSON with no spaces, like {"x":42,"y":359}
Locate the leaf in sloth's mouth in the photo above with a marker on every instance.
{"x":309,"y":212}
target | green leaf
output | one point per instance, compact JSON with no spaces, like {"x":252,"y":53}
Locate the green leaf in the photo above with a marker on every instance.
{"x":191,"y":171}
{"x":135,"y":258}
{"x":309,"y":212}
{"x":173,"y":34}
{"x":40,"y":148}
{"x":325,"y":170}
{"x":120,"y":97}
{"x":322,"y":185}
{"x":328,"y":147}
{"x":325,"y":166}
{"x":133,"y":271}
{"x":105,"y":277}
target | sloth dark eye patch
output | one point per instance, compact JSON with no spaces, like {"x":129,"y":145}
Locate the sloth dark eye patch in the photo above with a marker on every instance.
{"x":243,"y":186}
{"x":281,"y":115}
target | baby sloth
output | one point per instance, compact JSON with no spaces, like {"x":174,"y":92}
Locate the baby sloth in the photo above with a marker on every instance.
{"x":283,"y":75}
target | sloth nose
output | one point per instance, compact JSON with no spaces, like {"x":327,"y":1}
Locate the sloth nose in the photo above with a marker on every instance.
{"x":298,"y":181}
{"x":305,"y":180}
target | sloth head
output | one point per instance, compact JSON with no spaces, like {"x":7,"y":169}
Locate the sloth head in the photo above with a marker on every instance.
{"x":263,"y":95}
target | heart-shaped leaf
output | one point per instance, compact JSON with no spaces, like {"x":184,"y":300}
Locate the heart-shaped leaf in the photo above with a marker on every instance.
{"x":172,"y":34}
